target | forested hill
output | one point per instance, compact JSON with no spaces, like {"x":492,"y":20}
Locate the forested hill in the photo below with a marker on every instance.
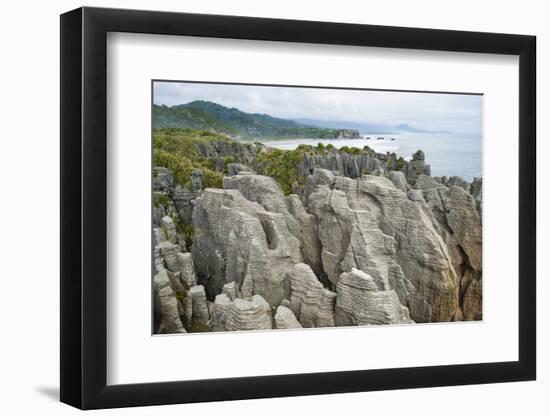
{"x":214,"y":117}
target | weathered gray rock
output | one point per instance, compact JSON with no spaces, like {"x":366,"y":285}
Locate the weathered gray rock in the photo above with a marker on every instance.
{"x":219,"y":309}
{"x":184,"y":202}
{"x":456,"y":181}
{"x":231,"y":290}
{"x":157,"y":259}
{"x":458,"y":218}
{"x":398,"y":179}
{"x":169,"y":253}
{"x":319,"y":177}
{"x":247,"y":315}
{"x":465,"y":222}
{"x":420,"y":252}
{"x":169,"y":229}
{"x":196,"y":308}
{"x":350,"y":235}
{"x":472,"y":300}
{"x":341,"y":163}
{"x":238,"y":240}
{"x":235,"y":169}
{"x":308,"y":235}
{"x":185,"y":263}
{"x":196,"y":180}
{"x":162,"y":179}
{"x":359,"y":301}
{"x":371,"y":225}
{"x":416,"y":167}
{"x":310,"y":302}
{"x":167,"y":305}
{"x":285,"y":319}
{"x":476,"y":189}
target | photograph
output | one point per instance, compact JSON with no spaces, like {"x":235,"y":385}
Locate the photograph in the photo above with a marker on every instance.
{"x":294,"y":207}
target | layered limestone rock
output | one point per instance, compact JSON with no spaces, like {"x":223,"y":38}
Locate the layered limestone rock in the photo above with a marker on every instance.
{"x":169,"y":252}
{"x":371,"y":225}
{"x":308,"y":235}
{"x":166,"y":305}
{"x":359,"y":301}
{"x":219,"y":308}
{"x":196,"y":311}
{"x":185,"y":263}
{"x":417,"y":166}
{"x":184,"y":202}
{"x":238,"y":240}
{"x":350,"y":249}
{"x":341,"y":163}
{"x":420,"y":250}
{"x":163,"y":179}
{"x":458,"y":220}
{"x":285,"y":319}
{"x":231,"y":290}
{"x":398,"y":179}
{"x":234,"y":169}
{"x":240,"y":314}
{"x":311,"y":303}
{"x":169,"y":229}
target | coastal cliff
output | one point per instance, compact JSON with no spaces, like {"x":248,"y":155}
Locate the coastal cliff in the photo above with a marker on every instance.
{"x":248,"y":237}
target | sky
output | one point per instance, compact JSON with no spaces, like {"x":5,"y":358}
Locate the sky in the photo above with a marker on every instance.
{"x":453,"y":112}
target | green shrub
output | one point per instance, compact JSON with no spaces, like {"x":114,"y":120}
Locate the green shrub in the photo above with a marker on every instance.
{"x":188,"y":233}
{"x":162,"y":200}
{"x":400,"y":163}
{"x":198,"y":328}
{"x":181,"y":150}
{"x":212,"y":179}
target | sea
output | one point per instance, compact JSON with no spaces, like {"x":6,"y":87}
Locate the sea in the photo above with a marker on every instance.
{"x":448,"y":154}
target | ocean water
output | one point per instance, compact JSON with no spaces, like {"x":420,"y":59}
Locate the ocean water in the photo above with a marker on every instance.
{"x":448,"y":154}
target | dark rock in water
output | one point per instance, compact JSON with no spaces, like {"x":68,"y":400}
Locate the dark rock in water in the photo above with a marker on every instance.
{"x":348,"y":134}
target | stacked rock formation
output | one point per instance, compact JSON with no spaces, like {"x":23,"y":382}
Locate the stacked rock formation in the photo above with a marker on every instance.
{"x":351,"y":250}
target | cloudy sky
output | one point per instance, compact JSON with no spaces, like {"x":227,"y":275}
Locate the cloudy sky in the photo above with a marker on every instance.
{"x":453,"y":112}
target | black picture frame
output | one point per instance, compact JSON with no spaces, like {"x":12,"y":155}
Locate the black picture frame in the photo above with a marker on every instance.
{"x":84,"y":207}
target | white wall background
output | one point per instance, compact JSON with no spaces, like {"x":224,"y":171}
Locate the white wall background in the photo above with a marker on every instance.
{"x":29,"y":218}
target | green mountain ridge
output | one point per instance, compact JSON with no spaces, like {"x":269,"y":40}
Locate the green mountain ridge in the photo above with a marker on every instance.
{"x":233,"y":122}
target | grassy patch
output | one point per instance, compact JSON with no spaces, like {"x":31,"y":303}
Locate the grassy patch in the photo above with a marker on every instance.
{"x":198,"y":328}
{"x":178,"y":150}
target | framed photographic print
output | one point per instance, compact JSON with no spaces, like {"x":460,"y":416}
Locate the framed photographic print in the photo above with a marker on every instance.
{"x":257,"y":208}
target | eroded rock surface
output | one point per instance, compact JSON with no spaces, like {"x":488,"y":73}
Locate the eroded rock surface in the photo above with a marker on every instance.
{"x":360,"y":301}
{"x":311,"y":303}
{"x":369,"y":240}
{"x":238,"y":240}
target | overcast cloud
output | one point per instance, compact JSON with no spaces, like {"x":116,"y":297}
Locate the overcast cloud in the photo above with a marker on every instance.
{"x":453,"y":112}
